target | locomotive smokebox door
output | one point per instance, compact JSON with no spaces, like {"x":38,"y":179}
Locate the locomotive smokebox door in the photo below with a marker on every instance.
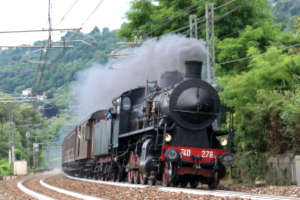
{"x":194,"y":104}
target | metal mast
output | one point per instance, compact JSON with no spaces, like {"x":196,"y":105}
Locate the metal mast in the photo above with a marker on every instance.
{"x":210,"y":41}
{"x":193,"y":26}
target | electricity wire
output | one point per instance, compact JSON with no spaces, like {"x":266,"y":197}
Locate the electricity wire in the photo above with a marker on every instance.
{"x":92,"y":13}
{"x":257,"y":55}
{"x":190,"y":9}
{"x":185,"y":11}
{"x":69,"y":10}
{"x":225,"y":4}
{"x":167,"y":17}
{"x":199,"y":20}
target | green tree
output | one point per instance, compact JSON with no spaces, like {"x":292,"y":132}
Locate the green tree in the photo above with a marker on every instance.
{"x":154,"y":18}
{"x":259,"y":96}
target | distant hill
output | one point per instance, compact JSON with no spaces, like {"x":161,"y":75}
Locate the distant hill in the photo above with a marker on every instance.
{"x":286,"y":12}
{"x":25,"y":68}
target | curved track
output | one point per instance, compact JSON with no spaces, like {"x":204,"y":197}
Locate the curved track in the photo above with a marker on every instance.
{"x":217,"y":193}
{"x":31,"y":192}
{"x":38,"y":188}
{"x":59,"y":193}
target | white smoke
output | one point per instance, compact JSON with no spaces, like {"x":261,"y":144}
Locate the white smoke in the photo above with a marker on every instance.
{"x":98,"y":85}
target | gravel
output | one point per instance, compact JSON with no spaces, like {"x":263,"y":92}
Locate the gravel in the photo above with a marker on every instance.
{"x":10,"y":191}
{"x":117,"y":193}
{"x":34,"y":185}
{"x":291,"y":191}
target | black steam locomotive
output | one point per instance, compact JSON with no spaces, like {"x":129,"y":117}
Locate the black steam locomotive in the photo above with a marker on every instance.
{"x":157,"y":133}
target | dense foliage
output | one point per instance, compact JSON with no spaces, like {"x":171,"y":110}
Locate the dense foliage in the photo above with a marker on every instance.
{"x":24,"y":118}
{"x":258,"y":70}
{"x":151,"y":19}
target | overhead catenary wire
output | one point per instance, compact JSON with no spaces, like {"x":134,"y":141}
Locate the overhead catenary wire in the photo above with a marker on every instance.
{"x":43,"y":69}
{"x":257,"y":55}
{"x":200,"y":20}
{"x":52,"y":62}
{"x":166,"y":17}
{"x":225,"y":4}
{"x":92,"y":13}
{"x":185,"y":11}
{"x":38,"y":67}
{"x":68,"y":11}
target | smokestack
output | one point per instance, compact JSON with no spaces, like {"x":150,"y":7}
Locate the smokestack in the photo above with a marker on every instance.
{"x":193,"y":69}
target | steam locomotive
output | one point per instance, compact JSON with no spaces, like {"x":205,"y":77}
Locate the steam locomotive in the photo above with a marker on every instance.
{"x":157,"y":133}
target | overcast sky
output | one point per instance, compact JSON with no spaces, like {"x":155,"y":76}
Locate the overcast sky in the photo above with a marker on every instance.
{"x":33,"y":14}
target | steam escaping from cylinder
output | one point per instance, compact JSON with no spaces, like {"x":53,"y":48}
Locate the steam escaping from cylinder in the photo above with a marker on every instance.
{"x":97,"y":86}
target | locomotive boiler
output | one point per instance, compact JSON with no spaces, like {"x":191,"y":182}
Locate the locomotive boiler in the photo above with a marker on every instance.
{"x":161,"y":132}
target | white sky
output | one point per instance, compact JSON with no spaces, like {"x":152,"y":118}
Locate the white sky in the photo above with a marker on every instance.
{"x":33,"y":14}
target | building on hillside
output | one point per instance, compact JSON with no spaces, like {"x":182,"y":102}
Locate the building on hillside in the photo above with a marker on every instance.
{"x":27,"y":92}
{"x":41,"y":97}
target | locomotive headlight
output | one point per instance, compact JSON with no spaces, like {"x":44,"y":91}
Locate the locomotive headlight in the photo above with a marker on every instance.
{"x":224,"y":142}
{"x":168,"y":137}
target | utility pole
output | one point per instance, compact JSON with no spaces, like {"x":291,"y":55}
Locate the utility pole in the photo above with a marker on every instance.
{"x":27,"y":146}
{"x":193,"y":26}
{"x":35,"y":150}
{"x":210,"y":41}
{"x":50,"y":24}
{"x":36,"y":147}
{"x":11,"y":134}
{"x":11,"y":151}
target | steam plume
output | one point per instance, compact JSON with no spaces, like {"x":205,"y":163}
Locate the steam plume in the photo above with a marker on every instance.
{"x":98,"y":85}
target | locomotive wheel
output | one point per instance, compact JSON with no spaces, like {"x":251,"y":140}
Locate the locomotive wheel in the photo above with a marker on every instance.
{"x":152,"y":181}
{"x":183,"y":181}
{"x":136,"y":178}
{"x":193,"y":183}
{"x":143,"y":178}
{"x":167,"y":174}
{"x":136,"y":174}
{"x":214,"y":181}
{"x":130,"y":174}
{"x":117,"y":176}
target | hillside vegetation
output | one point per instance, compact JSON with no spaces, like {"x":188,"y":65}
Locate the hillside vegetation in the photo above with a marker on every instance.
{"x":61,"y":64}
{"x":286,"y":12}
{"x":22,"y":68}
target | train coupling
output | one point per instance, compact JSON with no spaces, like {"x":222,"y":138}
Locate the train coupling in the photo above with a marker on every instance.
{"x":197,"y":160}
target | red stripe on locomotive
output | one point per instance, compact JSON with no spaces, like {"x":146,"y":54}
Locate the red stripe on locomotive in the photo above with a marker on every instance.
{"x":186,"y":153}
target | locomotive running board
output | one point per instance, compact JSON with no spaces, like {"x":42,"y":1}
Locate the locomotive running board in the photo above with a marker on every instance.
{"x":137,"y":132}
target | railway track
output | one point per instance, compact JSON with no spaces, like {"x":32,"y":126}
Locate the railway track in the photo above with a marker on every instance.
{"x":217,"y":193}
{"x":38,"y":189}
{"x":58,"y":186}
